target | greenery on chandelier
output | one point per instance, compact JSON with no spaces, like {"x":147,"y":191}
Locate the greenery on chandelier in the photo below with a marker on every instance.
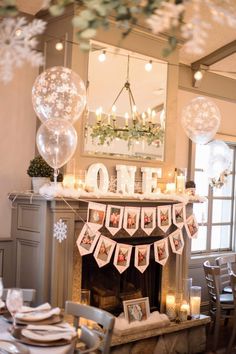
{"x":95,"y":14}
{"x":106,"y":134}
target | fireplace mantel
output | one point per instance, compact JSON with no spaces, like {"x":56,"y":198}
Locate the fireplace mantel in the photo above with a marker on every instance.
{"x":56,"y":267}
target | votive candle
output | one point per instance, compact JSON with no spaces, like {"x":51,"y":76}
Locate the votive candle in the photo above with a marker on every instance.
{"x":170,"y":188}
{"x":184,"y":311}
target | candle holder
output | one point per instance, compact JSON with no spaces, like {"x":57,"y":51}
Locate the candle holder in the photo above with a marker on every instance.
{"x":187,"y":284}
{"x":180,"y":175}
{"x":184,"y":311}
{"x":85,"y":297}
{"x":195,"y":301}
{"x":171,"y":306}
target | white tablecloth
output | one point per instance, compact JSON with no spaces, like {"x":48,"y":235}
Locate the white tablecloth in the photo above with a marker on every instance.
{"x":65,"y":349}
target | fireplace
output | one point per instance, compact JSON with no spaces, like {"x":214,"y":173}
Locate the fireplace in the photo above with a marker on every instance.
{"x":109,"y":288}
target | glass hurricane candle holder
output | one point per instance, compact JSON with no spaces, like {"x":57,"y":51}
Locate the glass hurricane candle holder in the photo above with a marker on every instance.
{"x":187,"y":283}
{"x":195,"y":301}
{"x":180,"y":175}
{"x":184,"y":311}
{"x":171,"y":306}
{"x":85,"y":297}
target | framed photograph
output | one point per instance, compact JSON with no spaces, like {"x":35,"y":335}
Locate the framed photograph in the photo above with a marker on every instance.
{"x":164,"y":217}
{"x":114,"y":218}
{"x":148,"y":220}
{"x":137,"y":309}
{"x":177,"y":241}
{"x":122,"y":256}
{"x":131,"y":219}
{"x":161,"y":251}
{"x":179,"y":215}
{"x":104,"y":250}
{"x":96,"y":215}
{"x":87,"y":240}
{"x":191,"y":226}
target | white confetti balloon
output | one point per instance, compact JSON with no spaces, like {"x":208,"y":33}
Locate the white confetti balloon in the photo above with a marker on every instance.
{"x":218,"y":159}
{"x":56,"y":141}
{"x":59,"y":93}
{"x":201,"y":120}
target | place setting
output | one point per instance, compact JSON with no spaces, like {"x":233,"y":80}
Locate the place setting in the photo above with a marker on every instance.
{"x":40,"y":326}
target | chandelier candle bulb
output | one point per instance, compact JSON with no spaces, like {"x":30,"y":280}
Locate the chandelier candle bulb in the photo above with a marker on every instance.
{"x":126,"y":119}
{"x":109,"y":119}
{"x":149,"y":112}
{"x":153,"y":117}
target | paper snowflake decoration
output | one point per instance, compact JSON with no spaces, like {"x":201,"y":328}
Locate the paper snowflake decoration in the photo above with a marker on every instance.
{"x":17,"y":45}
{"x":60,"y":230}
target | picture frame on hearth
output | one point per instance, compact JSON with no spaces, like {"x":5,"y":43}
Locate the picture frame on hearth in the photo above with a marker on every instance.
{"x":136,"y":309}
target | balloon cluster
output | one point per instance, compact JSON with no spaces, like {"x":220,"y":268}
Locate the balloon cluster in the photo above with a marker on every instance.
{"x":219,"y":158}
{"x":59,"y":98}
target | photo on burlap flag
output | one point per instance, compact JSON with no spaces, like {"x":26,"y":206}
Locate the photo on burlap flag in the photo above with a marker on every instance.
{"x":131,"y":219}
{"x":104,"y":250}
{"x":161,"y":251}
{"x":122,"y":257}
{"x":96,"y":215}
{"x":179,"y":214}
{"x":114,"y":218}
{"x":164,"y":217}
{"x":87,"y":240}
{"x":191,"y":226}
{"x":177,"y":241}
{"x":141,"y":257}
{"x":148,"y":220}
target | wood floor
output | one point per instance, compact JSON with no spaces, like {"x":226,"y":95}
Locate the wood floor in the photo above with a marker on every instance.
{"x":224,"y":337}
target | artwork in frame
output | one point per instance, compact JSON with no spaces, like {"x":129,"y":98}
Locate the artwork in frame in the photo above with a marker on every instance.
{"x":192,"y":226}
{"x":136,"y":309}
{"x":114,"y":218}
{"x":96,"y":215}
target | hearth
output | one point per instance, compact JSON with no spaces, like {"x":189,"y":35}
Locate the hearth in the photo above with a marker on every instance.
{"x":109,"y":288}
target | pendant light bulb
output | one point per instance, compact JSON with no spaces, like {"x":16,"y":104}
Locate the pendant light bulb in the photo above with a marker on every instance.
{"x":198,"y":75}
{"x":148,"y":66}
{"x":102,"y":56}
{"x":59,"y":46}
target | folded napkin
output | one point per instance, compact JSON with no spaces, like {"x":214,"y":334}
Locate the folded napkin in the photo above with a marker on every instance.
{"x":38,"y":313}
{"x":49,"y":333}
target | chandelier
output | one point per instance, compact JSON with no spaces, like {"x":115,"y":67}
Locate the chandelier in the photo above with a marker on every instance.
{"x":136,"y":128}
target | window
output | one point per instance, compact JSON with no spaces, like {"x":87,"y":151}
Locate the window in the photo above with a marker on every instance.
{"x":216,"y":216}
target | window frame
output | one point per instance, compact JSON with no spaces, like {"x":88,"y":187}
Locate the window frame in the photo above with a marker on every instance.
{"x":209,"y":223}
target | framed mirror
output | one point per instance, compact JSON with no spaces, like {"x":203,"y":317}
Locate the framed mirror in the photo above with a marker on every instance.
{"x":126,"y":104}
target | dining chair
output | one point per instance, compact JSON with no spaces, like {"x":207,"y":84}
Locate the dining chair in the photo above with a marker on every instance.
{"x":221,"y":305}
{"x":226,"y":265}
{"x":28,"y":295}
{"x":232,"y":338}
{"x":90,"y":339}
{"x":101,"y":317}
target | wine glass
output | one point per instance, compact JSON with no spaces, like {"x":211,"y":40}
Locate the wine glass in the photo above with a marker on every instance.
{"x":14,"y":302}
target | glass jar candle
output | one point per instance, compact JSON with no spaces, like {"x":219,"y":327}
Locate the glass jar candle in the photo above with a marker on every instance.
{"x":195,"y":301}
{"x":171,"y":306}
{"x":184,"y":311}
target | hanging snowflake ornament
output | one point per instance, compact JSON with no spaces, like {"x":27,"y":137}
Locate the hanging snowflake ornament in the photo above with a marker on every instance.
{"x":60,"y":230}
{"x":18,"y":44}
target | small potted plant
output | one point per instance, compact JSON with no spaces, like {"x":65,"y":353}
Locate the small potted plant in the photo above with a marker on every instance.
{"x":40,"y":172}
{"x":190,"y":188}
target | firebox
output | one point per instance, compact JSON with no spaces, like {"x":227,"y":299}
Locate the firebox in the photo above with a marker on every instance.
{"x":109,"y":288}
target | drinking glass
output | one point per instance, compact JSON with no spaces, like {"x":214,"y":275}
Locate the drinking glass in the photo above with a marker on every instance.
{"x":14,"y":302}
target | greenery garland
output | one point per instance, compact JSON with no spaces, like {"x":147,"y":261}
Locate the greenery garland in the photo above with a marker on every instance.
{"x":95,"y":14}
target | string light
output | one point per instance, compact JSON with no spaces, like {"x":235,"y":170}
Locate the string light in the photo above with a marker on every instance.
{"x":148,"y":66}
{"x":102,"y":56}
{"x":59,"y":46}
{"x":198,"y":75}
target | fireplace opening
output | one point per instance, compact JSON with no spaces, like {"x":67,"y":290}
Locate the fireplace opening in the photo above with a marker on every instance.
{"x":109,"y":288}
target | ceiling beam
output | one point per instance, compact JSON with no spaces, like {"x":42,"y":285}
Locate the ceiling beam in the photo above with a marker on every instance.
{"x":216,"y":56}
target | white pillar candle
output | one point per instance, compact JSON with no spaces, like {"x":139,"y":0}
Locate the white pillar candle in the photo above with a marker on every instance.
{"x":69,"y":181}
{"x":170,"y":188}
{"x":195,"y":302}
{"x":180,"y":184}
{"x":170,"y":306}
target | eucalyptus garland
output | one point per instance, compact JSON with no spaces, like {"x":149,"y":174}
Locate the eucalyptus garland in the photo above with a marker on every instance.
{"x":106,"y":134}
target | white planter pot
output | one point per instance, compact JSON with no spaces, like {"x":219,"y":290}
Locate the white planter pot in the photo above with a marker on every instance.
{"x":38,"y":182}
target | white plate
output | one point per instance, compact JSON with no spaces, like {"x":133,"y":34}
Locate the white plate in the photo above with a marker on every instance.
{"x":13,"y":347}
